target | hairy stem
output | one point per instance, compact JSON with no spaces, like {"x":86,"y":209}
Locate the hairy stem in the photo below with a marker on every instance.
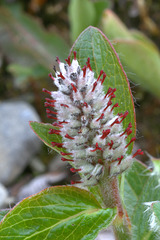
{"x":111,"y":198}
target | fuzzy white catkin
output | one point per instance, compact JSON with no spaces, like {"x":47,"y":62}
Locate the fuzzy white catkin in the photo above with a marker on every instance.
{"x":92,"y":133}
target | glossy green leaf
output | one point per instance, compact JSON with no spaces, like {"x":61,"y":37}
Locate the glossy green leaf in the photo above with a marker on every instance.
{"x":94,"y":44}
{"x":42,"y":131}
{"x":57,"y":213}
{"x":138,"y":54}
{"x":82,"y":14}
{"x":139,"y":188}
{"x":26,"y":42}
{"x":3,"y":213}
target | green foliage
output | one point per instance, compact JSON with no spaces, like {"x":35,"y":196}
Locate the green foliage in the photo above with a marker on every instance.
{"x":139,"y":55}
{"x":83,"y":13}
{"x":28,"y":44}
{"x":139,"y":188}
{"x":94,"y":44}
{"x":57,"y":213}
{"x":3,"y":213}
{"x":155,"y":217}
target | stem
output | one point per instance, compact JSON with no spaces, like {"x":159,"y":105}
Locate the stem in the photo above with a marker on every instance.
{"x":110,"y":193}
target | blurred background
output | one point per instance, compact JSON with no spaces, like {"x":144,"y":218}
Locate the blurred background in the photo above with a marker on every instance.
{"x":32,"y":34}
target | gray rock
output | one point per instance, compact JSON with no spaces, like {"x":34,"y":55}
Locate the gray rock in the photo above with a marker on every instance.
{"x":3,"y":195}
{"x":18,"y":143}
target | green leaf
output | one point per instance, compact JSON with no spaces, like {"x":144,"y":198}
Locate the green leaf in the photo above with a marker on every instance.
{"x":138,"y":53}
{"x":3,"y":213}
{"x":140,"y":187}
{"x":42,"y":131}
{"x":94,"y":44}
{"x":155,"y":218}
{"x":26,"y":42}
{"x":82,"y":14}
{"x":57,"y":213}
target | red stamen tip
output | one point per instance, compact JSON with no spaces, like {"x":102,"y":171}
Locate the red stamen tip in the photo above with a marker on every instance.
{"x":138,"y":152}
{"x":105,"y":133}
{"x":66,"y":160}
{"x":57,"y":59}
{"x":75,"y":170}
{"x":61,"y":76}
{"x":46,"y":91}
{"x":115,"y":122}
{"x":88,"y":64}
{"x":74,"y":87}
{"x":110,"y":144}
{"x":54,"y":131}
{"x":66,"y":154}
{"x":96,"y":148}
{"x":94,"y":86}
{"x":75,"y":182}
{"x":75,"y":55}
{"x":104,"y":76}
{"x":84,"y":70}
{"x":51,"y":76}
{"x":68,"y":60}
{"x":54,"y":144}
{"x":102,"y":115}
{"x":115,"y":105}
{"x":132,"y":140}
{"x":64,"y":105}
{"x":120,"y":159}
{"x":69,"y":137}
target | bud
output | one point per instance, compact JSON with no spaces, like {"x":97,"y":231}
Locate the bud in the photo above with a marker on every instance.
{"x":92,"y":133}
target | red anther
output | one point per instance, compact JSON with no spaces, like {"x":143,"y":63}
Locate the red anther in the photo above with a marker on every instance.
{"x":61,"y":76}
{"x":115,"y":122}
{"x":51,"y":117}
{"x":115,"y":105}
{"x":51,"y":76}
{"x":88,"y":64}
{"x":132,"y":140}
{"x":124,"y":116}
{"x":75,"y":182}
{"x":85,"y":104}
{"x":46,"y":104}
{"x":112,"y":91}
{"x":50,"y":111}
{"x":94,"y":86}
{"x":75,"y":170}
{"x":60,"y":122}
{"x":68,"y":60}
{"x":84,"y":70}
{"x":74,"y":87}
{"x":138,"y":152}
{"x":50,"y":100}
{"x":66,"y":160}
{"x":69,"y":137}
{"x":45,"y":90}
{"x":102,"y":115}
{"x":57,"y":59}
{"x":104,"y":76}
{"x":66,"y":154}
{"x":109,"y":90}
{"x":54,"y":131}
{"x":105,"y":133}
{"x":54,"y":144}
{"x":120,"y":159}
{"x":96,"y":148}
{"x":129,"y":132}
{"x":108,"y":104}
{"x":75,"y":54}
{"x":64,"y":105}
{"x":100,"y":74}
{"x":120,"y":114}
{"x":112,"y":96}
{"x":130,"y":125}
{"x":110,"y":144}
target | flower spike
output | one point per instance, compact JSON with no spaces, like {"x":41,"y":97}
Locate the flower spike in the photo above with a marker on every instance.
{"x":93,"y":135}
